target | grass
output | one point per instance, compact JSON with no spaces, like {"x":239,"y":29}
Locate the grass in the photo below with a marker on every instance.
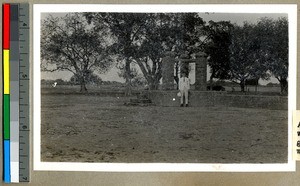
{"x":87,"y":128}
{"x":120,"y":90}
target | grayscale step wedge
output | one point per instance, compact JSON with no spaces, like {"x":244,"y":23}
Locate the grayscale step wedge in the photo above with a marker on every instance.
{"x":24,"y":104}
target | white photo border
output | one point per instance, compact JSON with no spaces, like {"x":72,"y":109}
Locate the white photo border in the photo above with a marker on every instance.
{"x":290,"y":9}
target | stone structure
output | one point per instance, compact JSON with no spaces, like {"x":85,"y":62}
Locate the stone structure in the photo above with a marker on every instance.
{"x":168,"y":71}
{"x":184,"y":64}
{"x":201,"y":71}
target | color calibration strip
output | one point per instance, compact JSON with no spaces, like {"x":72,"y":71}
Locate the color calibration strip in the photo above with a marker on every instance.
{"x":16,"y":92}
{"x":6,"y":91}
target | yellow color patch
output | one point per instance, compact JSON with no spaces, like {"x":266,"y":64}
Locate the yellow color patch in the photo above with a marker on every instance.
{"x":6,"y":71}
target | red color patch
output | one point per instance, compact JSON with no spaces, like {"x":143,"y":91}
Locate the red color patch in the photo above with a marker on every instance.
{"x":6,"y":26}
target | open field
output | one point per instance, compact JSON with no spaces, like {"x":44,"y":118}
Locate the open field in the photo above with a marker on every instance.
{"x":59,"y":89}
{"x":87,"y":128}
{"x":252,"y":88}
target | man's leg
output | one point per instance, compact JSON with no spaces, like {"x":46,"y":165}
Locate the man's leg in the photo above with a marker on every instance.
{"x":181,"y":97}
{"x":186,"y":95}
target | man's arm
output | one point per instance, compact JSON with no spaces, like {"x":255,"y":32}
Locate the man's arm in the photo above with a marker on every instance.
{"x":180,"y":83}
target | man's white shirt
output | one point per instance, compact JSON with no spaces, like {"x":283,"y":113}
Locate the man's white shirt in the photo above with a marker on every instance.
{"x":184,"y":83}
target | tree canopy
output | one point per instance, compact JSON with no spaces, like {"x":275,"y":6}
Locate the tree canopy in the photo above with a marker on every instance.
{"x":258,"y":51}
{"x":144,"y":38}
{"x":69,"y":44}
{"x":219,"y":40}
{"x":84,"y":43}
{"x":275,"y":48}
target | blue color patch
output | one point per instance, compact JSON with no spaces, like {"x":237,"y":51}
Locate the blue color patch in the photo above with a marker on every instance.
{"x":6,"y":162}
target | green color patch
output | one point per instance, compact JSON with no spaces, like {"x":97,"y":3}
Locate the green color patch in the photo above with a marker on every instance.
{"x":6,"y":116}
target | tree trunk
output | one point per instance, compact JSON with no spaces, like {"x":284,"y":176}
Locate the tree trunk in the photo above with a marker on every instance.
{"x":82,"y":85}
{"x":211,"y":81}
{"x":242,"y":85}
{"x":83,"y":88}
{"x":176,"y":78}
{"x":153,"y":84}
{"x":256,"y":88}
{"x":127,"y":78}
{"x":283,"y":86}
{"x":256,"y":85}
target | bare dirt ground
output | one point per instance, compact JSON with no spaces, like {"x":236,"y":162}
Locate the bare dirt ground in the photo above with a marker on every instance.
{"x":81,"y":128}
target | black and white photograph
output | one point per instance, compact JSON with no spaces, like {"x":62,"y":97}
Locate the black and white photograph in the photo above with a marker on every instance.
{"x":164,"y":87}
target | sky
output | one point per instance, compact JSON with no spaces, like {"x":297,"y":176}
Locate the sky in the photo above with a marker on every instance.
{"x":238,"y":18}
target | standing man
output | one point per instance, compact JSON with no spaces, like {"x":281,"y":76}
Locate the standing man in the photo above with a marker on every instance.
{"x":184,"y":87}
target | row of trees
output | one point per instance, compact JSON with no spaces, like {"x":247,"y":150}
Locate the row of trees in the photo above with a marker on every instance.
{"x":260,"y":51}
{"x":86,"y":42}
{"x":249,"y":52}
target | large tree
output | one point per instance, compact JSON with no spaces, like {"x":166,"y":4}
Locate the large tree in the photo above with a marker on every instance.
{"x":274,"y":40}
{"x":245,"y":55}
{"x":69,"y":43}
{"x":164,"y":33}
{"x":217,"y":48}
{"x":260,"y":51}
{"x":144,"y":38}
{"x":125,"y":29}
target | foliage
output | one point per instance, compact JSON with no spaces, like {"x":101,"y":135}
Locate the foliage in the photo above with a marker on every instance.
{"x":136,"y":78}
{"x":252,"y":82}
{"x":145,"y":38}
{"x":217,"y":48}
{"x":89,"y":42}
{"x":274,"y":40}
{"x":246,"y":58}
{"x":90,"y":78}
{"x":259,"y":51}
{"x":125,"y":32}
{"x":69,"y":44}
